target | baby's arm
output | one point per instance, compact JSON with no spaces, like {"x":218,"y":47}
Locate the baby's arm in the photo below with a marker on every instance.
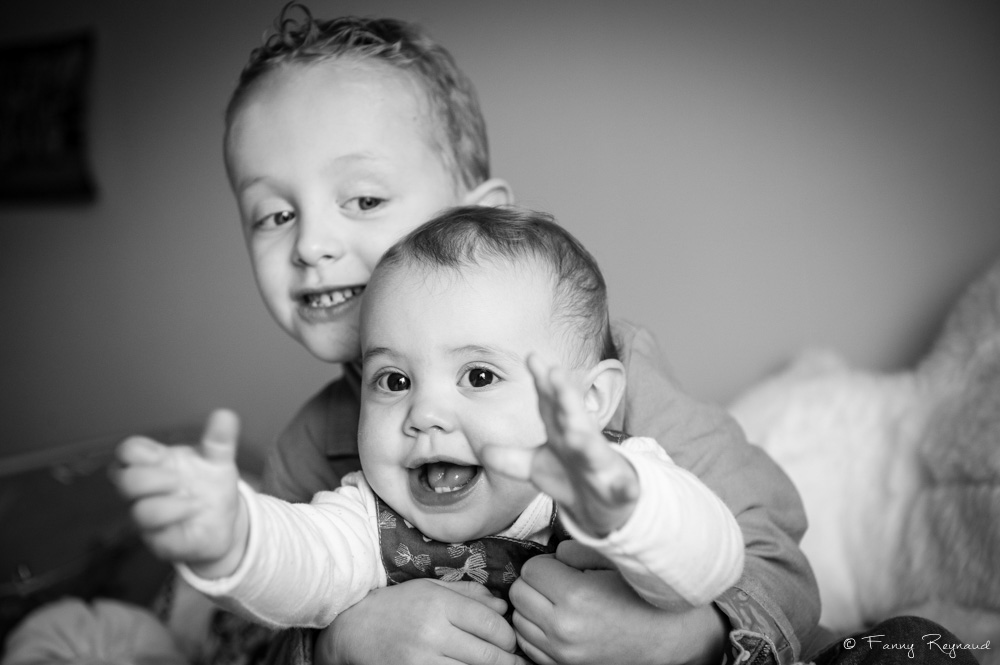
{"x":304,"y":563}
{"x":681,"y":547}
{"x":674,"y":541}
{"x":185,"y":500}
{"x":273,"y":562}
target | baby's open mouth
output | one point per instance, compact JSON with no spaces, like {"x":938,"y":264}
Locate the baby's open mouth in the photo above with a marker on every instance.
{"x":331,"y":298}
{"x":446,"y":477}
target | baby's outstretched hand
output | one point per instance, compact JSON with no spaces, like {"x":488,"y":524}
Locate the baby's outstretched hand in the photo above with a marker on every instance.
{"x":576,"y":466}
{"x":185,"y":499}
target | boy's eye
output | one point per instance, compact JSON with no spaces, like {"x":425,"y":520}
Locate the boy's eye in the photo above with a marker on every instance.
{"x":394,"y":382}
{"x":277,"y":219}
{"x":480,"y":377}
{"x":365,"y":203}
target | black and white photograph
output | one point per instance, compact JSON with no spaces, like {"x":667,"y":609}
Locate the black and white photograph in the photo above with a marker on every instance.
{"x":512,"y":333}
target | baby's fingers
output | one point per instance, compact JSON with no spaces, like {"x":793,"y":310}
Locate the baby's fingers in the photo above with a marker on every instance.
{"x":513,"y":462}
{"x":158,"y":512}
{"x":140,"y":450}
{"x":541,"y":373}
{"x":135,"y":482}
{"x":560,"y":401}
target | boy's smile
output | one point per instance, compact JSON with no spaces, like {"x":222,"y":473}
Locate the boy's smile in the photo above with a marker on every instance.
{"x":331,"y":163}
{"x":325,"y":305}
{"x":444,"y":374}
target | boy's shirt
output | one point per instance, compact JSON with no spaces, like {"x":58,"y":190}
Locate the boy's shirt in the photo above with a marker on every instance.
{"x":774,"y":605}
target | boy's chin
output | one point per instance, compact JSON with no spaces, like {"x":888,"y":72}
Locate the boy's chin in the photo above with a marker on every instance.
{"x":331,"y":346}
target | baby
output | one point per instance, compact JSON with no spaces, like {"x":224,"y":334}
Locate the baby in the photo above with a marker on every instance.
{"x":478,"y":450}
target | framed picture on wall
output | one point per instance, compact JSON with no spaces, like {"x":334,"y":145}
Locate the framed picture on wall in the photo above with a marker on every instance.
{"x":43,"y":120}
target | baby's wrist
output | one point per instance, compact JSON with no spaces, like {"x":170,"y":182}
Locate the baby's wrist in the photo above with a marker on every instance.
{"x":611,"y":503}
{"x":226,"y":564}
{"x":624,"y":492}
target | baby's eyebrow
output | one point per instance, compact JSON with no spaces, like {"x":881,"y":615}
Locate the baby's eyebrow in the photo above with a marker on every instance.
{"x":490,"y":351}
{"x":376,"y":351}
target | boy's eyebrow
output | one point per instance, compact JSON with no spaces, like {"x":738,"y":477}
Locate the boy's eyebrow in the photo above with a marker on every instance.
{"x":341,"y":161}
{"x":246,"y":183}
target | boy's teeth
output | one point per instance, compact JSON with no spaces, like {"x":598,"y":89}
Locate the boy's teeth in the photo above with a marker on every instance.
{"x":331,"y":298}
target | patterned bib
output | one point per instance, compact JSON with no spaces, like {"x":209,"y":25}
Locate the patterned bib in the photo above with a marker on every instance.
{"x":493,"y":561}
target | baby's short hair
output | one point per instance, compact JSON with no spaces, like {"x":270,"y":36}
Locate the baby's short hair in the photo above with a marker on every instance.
{"x":459,"y":127}
{"x":471,"y":235}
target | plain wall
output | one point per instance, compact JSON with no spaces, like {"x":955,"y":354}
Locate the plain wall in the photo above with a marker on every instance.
{"x":754,"y":178}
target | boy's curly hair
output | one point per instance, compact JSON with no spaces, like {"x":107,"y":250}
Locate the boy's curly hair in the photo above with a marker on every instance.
{"x":468,"y":236}
{"x":460,"y":128}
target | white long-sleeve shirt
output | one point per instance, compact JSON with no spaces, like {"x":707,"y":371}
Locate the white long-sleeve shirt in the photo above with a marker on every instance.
{"x":306,"y":563}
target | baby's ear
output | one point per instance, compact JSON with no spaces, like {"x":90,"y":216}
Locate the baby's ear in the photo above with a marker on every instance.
{"x":493,"y":192}
{"x":605,"y":386}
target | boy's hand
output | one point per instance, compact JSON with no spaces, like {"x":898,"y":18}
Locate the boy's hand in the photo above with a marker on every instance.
{"x":185,"y":500}
{"x":421,"y":621}
{"x":567,"y":612}
{"x":576,"y":467}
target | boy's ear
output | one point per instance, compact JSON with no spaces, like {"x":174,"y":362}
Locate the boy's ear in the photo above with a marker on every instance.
{"x":605,"y":387}
{"x":493,"y":192}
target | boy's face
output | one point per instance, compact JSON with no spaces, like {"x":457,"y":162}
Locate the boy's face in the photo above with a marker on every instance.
{"x":331,"y":164}
{"x":444,"y":374}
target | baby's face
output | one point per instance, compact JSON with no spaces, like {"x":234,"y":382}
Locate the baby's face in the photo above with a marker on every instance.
{"x":444,"y":374}
{"x":331,"y":164}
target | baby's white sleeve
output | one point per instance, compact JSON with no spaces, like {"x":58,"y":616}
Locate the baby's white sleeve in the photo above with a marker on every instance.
{"x":681,"y":546}
{"x":304,"y":563}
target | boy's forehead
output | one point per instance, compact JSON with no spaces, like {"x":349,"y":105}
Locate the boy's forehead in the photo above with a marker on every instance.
{"x":344,"y":86}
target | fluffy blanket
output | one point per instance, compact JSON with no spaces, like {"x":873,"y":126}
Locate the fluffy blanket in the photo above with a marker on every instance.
{"x":899,"y":474}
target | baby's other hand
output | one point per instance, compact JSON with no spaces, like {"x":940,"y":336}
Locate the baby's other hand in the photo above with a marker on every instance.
{"x":576,"y":466}
{"x":185,"y":499}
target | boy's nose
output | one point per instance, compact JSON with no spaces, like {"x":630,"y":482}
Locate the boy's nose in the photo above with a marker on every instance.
{"x":318,"y":240}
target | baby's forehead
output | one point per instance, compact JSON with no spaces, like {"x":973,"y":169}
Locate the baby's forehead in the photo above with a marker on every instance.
{"x":410,"y":280}
{"x":526,"y":270}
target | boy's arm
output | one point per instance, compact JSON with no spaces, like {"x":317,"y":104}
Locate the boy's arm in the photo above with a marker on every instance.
{"x":775,"y":604}
{"x":317,"y":448}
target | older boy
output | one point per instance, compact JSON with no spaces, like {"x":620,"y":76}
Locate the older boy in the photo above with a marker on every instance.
{"x":342,"y":136}
{"x":461,"y":322}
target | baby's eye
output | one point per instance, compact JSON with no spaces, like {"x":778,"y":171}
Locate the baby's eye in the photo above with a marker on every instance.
{"x":276,"y":219}
{"x":394,"y":382}
{"x":480,"y":377}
